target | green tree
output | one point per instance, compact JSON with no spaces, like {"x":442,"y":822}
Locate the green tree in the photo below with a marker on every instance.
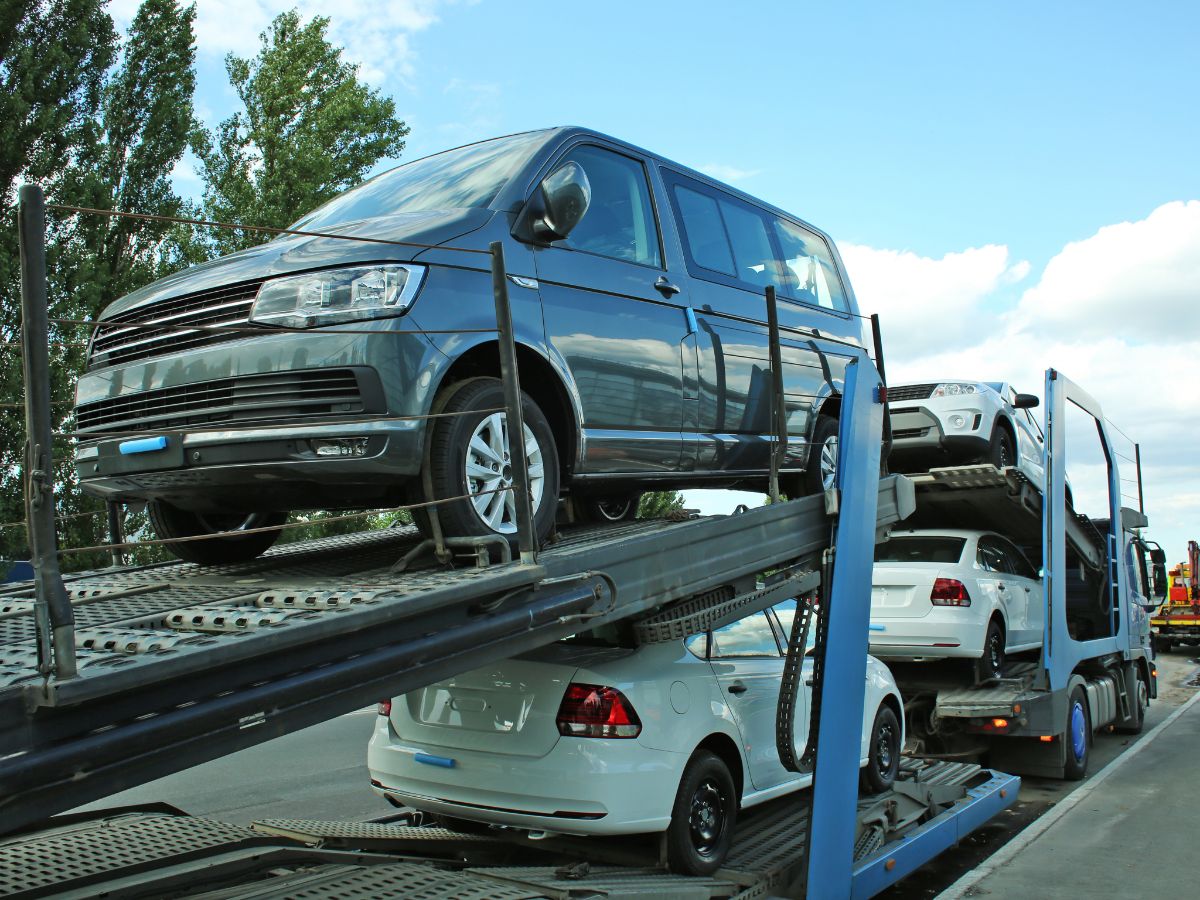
{"x":308,"y":131}
{"x":657,"y":504}
{"x":53,"y":59}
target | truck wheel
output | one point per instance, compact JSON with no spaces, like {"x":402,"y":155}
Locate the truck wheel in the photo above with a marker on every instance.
{"x":821,"y":472}
{"x":172,"y":522}
{"x":991,"y":664}
{"x":883,"y":752}
{"x":613,"y":508}
{"x":1077,"y":736}
{"x":1140,"y":700}
{"x":469,"y":457}
{"x":703,"y":816}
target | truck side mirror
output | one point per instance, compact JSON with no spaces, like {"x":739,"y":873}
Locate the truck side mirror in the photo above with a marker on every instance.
{"x":560,"y":202}
{"x":1158,"y":573}
{"x":1026,"y":401}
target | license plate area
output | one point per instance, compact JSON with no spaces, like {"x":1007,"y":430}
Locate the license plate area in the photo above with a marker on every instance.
{"x":140,"y":455}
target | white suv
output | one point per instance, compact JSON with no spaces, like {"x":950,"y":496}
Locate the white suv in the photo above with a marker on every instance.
{"x":596,"y":735}
{"x":956,"y":422}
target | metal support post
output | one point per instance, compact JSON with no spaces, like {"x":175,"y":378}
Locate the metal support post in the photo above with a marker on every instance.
{"x":1137,"y":457}
{"x":53,"y":609}
{"x":835,"y":778}
{"x":779,"y":454}
{"x":116,"y":534}
{"x":526,"y":538}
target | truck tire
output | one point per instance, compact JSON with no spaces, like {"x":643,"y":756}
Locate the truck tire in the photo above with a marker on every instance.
{"x":172,"y":522}
{"x":702,"y":817}
{"x":1077,"y":736}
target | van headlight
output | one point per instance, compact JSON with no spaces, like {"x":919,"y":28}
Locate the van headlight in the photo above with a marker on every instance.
{"x":337,"y":296}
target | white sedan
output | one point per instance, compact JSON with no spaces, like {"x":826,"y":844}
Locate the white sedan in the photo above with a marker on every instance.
{"x":954,"y":593}
{"x":958,"y":422}
{"x":596,"y":735}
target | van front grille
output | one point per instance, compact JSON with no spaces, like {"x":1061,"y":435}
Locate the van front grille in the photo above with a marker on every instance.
{"x":245,"y":399}
{"x":156,"y":329}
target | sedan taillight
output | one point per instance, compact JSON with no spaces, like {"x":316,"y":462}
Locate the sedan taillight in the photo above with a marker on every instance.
{"x":595,"y":711}
{"x":949,"y":592}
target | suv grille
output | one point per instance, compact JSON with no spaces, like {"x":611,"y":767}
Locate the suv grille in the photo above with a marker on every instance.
{"x":153,"y":330}
{"x":314,"y":392}
{"x":910,"y":392}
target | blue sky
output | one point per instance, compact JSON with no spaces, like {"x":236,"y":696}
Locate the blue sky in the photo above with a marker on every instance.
{"x":1009,"y":183}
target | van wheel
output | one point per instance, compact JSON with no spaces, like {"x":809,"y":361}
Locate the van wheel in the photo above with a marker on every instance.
{"x":469,"y":458}
{"x":703,"y":816}
{"x":172,"y":522}
{"x":614,"y":508}
{"x":883,"y":752}
{"x":821,"y":472}
{"x":991,"y":664}
{"x":1077,"y":736}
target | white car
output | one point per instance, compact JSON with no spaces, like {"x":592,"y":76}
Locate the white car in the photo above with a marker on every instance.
{"x":954,"y":593}
{"x":959,"y":422}
{"x":595,"y":735}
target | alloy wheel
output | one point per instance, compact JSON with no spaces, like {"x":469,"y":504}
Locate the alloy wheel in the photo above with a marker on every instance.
{"x":829,"y":460}
{"x":489,"y":473}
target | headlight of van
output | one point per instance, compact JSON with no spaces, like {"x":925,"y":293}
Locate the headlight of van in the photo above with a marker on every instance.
{"x":337,"y":296}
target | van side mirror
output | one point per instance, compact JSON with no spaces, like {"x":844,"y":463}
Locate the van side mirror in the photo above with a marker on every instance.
{"x":1026,"y":401}
{"x":560,"y":202}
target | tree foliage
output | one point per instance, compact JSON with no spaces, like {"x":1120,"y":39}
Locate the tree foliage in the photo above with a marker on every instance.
{"x":308,"y":130}
{"x":656,"y":504}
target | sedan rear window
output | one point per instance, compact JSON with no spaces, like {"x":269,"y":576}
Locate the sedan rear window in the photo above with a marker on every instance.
{"x":920,"y":550}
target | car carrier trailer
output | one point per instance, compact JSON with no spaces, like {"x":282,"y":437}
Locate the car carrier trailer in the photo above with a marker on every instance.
{"x":1100,"y":578}
{"x":109,"y":679}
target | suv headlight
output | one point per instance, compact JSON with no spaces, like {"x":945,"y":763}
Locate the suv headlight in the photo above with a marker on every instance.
{"x":952,"y":389}
{"x":337,"y":296}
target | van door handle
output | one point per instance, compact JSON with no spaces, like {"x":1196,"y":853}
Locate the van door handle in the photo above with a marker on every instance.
{"x":737,"y":688}
{"x":664,"y":286}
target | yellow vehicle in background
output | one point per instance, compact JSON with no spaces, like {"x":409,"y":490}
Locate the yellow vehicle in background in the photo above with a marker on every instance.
{"x":1178,"y":620}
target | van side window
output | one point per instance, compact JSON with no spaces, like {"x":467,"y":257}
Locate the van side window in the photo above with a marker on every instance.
{"x":810,"y":275}
{"x":619,"y":222}
{"x":704,"y":231}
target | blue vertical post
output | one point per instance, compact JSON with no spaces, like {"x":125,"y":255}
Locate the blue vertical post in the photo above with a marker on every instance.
{"x":835,"y":779}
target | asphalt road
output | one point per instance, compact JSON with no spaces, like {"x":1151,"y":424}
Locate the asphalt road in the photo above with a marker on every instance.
{"x":317,"y":773}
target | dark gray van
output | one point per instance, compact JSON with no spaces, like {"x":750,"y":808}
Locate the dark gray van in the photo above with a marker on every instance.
{"x":637,"y":293}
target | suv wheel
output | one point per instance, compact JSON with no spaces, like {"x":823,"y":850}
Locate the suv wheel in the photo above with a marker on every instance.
{"x":703,"y":816}
{"x":469,"y":458}
{"x":1002,"y":453}
{"x":172,"y":522}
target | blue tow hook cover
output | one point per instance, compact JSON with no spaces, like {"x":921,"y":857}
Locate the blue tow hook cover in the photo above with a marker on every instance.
{"x":143,"y":445}
{"x":430,"y":760}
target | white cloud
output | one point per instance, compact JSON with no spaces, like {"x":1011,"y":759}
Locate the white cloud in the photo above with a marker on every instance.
{"x":1103,"y":285}
{"x":375,"y":35}
{"x":726,"y":173}
{"x":925,"y":302}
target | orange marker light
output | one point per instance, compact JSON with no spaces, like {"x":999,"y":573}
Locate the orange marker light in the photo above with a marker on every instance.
{"x":1046,"y":738}
{"x":999,"y":723}
{"x":1016,"y":709}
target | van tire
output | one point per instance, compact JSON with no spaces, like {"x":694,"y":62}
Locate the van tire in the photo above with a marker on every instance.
{"x":450,"y":457}
{"x":822,"y":449}
{"x":172,"y":522}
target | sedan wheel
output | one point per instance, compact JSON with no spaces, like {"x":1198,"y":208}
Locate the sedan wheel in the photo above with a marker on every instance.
{"x":703,"y":816}
{"x":883,"y":752}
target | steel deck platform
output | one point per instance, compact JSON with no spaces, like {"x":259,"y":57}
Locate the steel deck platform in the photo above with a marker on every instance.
{"x":153,"y":852}
{"x":179,"y":664}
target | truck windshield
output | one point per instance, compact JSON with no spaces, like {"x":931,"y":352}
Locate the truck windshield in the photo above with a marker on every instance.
{"x":946,"y":550}
{"x":467,"y":177}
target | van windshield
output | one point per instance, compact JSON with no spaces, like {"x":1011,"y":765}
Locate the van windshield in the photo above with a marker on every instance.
{"x":467,"y":177}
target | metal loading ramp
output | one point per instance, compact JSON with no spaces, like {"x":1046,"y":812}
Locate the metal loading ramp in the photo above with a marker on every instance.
{"x":157,"y":852}
{"x":178,"y":664}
